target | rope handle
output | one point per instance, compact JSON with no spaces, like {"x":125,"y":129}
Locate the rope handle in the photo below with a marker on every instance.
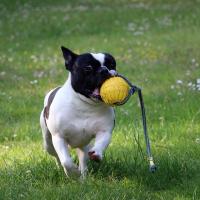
{"x":133,"y":89}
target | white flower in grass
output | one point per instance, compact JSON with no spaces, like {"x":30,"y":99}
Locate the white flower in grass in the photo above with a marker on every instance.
{"x":193,"y":60}
{"x":2,"y":73}
{"x":131,"y":26}
{"x":190,"y":84}
{"x":172,"y":87}
{"x":179,"y":82}
{"x":33,"y":82}
{"x":81,"y":8}
{"x":28,"y":171}
{"x":179,"y":93}
{"x":197,"y":140}
{"x":138,"y":33}
{"x":198,"y":81}
{"x":34,"y":58}
{"x":193,"y":87}
{"x":10,"y":59}
{"x":188,"y":73}
{"x":38,"y":74}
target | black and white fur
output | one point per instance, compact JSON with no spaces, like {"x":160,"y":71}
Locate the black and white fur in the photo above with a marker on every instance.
{"x":77,"y":114}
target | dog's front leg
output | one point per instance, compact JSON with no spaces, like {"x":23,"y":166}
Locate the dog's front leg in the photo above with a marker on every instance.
{"x":63,"y":154}
{"x":83,"y":157}
{"x":102,"y":141}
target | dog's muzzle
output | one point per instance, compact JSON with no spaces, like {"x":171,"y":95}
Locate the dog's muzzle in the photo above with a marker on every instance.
{"x":107,"y":74}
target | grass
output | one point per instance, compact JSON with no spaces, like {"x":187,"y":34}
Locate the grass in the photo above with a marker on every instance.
{"x":156,"y":43}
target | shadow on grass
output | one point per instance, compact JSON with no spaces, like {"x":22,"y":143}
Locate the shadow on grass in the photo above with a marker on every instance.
{"x":174,"y":173}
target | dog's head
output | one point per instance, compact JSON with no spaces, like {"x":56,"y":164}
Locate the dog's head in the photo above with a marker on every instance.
{"x":89,"y":71}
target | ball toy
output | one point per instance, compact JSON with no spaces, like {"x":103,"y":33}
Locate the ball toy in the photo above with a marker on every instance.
{"x":114,"y":90}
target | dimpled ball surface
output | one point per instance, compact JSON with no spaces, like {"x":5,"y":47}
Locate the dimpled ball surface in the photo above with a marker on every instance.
{"x":114,"y":90}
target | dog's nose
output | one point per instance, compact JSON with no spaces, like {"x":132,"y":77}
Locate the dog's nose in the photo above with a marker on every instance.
{"x":113,"y":72}
{"x":104,"y":70}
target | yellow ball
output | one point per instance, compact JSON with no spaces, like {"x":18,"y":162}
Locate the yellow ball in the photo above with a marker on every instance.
{"x":114,"y":90}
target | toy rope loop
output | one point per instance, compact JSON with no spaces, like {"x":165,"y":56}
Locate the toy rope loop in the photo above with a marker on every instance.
{"x":133,"y":89}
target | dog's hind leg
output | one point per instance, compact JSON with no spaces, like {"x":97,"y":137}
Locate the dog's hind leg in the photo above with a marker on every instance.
{"x":47,"y":138}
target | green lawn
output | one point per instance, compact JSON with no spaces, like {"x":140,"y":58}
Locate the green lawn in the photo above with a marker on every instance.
{"x":157,"y":46}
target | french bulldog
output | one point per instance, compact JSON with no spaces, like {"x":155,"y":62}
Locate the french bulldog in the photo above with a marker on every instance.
{"x":74,"y":114}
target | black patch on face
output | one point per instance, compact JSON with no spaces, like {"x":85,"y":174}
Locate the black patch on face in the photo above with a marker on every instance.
{"x":109,"y":61}
{"x":87,"y":74}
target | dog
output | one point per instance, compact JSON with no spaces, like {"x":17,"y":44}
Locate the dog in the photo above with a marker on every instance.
{"x":74,"y":114}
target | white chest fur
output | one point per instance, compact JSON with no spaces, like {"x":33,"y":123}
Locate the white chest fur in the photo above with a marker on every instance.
{"x":76,"y":118}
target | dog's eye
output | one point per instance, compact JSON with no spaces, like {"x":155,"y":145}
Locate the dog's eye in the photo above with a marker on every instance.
{"x":88,"y":68}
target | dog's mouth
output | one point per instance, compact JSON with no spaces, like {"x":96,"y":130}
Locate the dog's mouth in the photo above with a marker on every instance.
{"x":96,"y":94}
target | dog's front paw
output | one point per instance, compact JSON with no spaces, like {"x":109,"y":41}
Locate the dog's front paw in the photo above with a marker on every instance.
{"x":93,"y":155}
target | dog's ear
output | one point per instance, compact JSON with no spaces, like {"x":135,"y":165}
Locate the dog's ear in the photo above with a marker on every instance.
{"x":69,"y":57}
